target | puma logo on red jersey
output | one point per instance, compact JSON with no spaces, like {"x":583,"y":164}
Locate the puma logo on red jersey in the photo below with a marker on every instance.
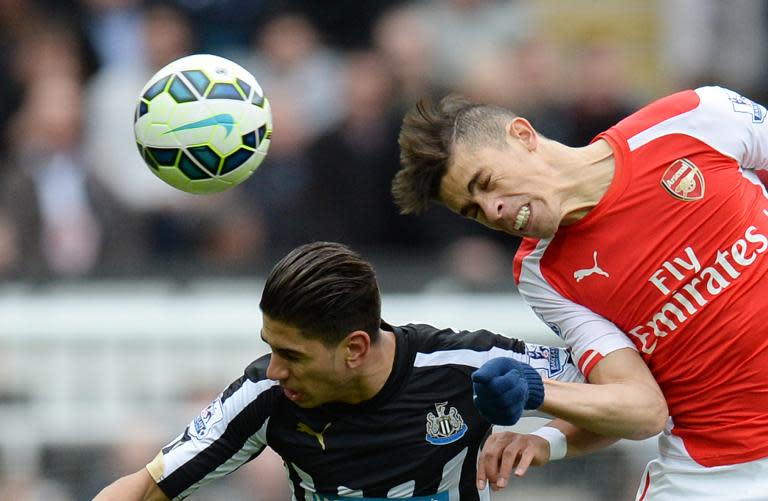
{"x":580,"y":275}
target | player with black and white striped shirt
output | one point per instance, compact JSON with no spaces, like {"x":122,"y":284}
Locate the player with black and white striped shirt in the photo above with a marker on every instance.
{"x":355,"y":407}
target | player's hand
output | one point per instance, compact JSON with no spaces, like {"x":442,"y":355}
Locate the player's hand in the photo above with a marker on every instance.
{"x":506,"y":451}
{"x":504,"y":387}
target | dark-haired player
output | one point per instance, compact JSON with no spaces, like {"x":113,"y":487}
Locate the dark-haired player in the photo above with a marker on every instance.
{"x":356,"y":408}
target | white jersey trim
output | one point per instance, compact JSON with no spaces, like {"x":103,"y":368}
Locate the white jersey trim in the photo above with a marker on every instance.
{"x":581,"y":328}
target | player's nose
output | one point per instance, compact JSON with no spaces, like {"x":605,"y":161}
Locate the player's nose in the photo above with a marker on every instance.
{"x":276,"y":370}
{"x":493,"y":208}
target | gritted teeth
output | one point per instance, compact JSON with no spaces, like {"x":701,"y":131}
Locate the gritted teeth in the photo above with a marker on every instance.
{"x":522,"y":217}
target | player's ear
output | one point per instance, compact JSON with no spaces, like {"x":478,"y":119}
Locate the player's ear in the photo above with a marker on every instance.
{"x":356,"y":347}
{"x":522,"y":130}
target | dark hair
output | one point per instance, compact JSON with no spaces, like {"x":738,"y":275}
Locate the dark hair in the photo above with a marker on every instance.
{"x":427,"y":136}
{"x":326,"y":290}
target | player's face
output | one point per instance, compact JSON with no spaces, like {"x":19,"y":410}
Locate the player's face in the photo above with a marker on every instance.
{"x":508,"y":188}
{"x":309,"y":372}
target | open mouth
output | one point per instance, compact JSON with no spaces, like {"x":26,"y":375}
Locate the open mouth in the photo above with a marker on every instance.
{"x":292,"y":395}
{"x":521,"y":219}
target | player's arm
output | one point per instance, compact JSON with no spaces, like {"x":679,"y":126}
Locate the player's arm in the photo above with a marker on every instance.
{"x":236,"y":421}
{"x":579,"y":441}
{"x":624,"y":400}
{"x":139,"y":486}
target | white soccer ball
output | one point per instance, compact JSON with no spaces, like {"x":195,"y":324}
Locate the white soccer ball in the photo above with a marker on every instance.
{"x":203,"y":124}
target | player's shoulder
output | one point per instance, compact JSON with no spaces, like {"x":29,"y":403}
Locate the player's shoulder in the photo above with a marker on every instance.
{"x":425,"y":338}
{"x":418,"y":330}
{"x":417,"y":336}
{"x":700,"y":107}
{"x":719,"y":101}
{"x":715,"y":93}
{"x":658,"y":111}
{"x":255,"y":382}
{"x":257,"y":370}
{"x":252,"y":392}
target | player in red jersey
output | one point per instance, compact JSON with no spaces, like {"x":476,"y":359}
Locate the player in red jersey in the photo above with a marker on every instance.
{"x":657,"y":233}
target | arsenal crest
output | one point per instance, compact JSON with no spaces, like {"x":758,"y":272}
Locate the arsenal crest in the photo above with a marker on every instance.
{"x":684,"y":181}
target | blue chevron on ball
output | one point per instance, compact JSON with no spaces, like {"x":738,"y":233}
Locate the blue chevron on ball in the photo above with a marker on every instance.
{"x":503,"y":387}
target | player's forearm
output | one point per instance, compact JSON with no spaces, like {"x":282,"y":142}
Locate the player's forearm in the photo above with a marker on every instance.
{"x":138,"y":486}
{"x":623,"y":410}
{"x":581,"y":441}
{"x":623,"y":400}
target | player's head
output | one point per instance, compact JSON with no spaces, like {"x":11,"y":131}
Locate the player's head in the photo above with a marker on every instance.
{"x":326,"y":290}
{"x":429,"y":134}
{"x":322,"y":314}
{"x":478,"y":160}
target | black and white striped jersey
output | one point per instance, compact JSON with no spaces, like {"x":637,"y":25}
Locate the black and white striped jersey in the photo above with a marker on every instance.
{"x":418,"y":438}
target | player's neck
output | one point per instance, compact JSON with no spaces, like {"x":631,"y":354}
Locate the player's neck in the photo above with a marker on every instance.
{"x":589,"y":172}
{"x":379,"y":366}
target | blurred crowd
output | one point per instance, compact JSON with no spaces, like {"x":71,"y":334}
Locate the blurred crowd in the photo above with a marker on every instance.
{"x":77,"y":201}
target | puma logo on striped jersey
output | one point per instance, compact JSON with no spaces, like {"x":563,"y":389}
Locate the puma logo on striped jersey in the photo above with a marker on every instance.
{"x":317,"y":434}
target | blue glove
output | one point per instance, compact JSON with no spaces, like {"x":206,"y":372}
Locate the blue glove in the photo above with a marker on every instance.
{"x":503,"y":387}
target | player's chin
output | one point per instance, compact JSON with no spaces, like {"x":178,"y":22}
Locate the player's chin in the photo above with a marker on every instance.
{"x":305,"y":401}
{"x":541,"y":231}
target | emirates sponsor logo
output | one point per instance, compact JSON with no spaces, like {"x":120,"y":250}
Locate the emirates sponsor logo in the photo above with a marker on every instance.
{"x":684,"y":181}
{"x":690,"y":286}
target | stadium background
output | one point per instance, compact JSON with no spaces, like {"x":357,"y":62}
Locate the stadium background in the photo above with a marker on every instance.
{"x":125,"y":306}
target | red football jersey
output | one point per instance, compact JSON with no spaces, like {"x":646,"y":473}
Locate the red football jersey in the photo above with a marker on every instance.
{"x":673,"y":261}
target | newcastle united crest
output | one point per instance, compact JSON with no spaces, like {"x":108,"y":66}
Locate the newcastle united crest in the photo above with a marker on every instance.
{"x":445,"y":428}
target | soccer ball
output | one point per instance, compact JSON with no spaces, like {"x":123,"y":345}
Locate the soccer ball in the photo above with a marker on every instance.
{"x":203,"y":124}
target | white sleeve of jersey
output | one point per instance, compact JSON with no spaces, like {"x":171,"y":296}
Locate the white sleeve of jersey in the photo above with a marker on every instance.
{"x":733,"y":124}
{"x":552,"y":363}
{"x":212,"y":426}
{"x":590,"y":336}
{"x":725,"y":120}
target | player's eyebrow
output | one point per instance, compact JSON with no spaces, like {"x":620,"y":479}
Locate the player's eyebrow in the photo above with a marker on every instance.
{"x":471,"y":190}
{"x":281,"y":350}
{"x":473,"y":182}
{"x":261,"y":334}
